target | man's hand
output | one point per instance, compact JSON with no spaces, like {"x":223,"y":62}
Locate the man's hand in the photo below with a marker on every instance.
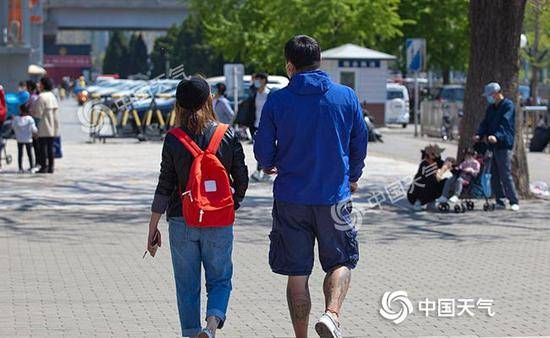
{"x":492,"y":139}
{"x":270,"y":171}
{"x":476,"y":137}
{"x":353,"y":186}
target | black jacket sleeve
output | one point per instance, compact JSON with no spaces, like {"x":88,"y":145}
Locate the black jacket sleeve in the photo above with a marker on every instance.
{"x":168,"y":180}
{"x":238,"y":170}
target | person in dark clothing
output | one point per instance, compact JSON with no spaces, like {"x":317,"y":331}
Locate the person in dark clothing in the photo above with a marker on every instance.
{"x":428,"y":182}
{"x":193,"y":246}
{"x":499,"y":128}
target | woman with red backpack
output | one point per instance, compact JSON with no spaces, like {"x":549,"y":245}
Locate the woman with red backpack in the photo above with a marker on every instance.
{"x":203,"y":178}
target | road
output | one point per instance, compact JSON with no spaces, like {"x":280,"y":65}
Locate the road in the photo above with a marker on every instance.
{"x":400,"y":144}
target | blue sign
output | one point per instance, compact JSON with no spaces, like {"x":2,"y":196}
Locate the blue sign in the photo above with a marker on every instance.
{"x":416,"y":54}
{"x":358,"y":63}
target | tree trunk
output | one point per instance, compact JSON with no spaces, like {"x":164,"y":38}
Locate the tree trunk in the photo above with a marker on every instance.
{"x":446,"y":75}
{"x":495,"y":28}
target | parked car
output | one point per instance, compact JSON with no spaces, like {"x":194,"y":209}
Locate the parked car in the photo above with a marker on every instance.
{"x":450,"y":93}
{"x":397,"y":104}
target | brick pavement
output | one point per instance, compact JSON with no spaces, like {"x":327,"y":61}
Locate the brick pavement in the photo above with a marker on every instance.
{"x":71,"y":246}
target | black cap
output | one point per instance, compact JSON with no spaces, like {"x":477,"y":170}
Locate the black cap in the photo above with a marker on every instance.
{"x":192,"y":93}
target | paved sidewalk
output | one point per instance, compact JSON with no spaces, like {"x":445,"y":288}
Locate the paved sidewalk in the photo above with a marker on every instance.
{"x":71,"y":247}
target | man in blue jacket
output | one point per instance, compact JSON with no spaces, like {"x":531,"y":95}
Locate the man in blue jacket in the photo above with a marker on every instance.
{"x":499,"y":128}
{"x":313,"y":136}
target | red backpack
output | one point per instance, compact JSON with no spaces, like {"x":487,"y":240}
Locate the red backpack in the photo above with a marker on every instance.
{"x":207,"y":200}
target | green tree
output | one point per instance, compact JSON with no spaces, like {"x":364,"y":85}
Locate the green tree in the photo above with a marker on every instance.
{"x":537,"y":29}
{"x":185,"y":45}
{"x":137,"y":62}
{"x":116,"y":55}
{"x":255,"y":30}
{"x":444,"y":25}
{"x":162,"y":49}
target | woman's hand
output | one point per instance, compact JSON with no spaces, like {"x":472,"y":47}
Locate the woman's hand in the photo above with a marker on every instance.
{"x":154,"y":240}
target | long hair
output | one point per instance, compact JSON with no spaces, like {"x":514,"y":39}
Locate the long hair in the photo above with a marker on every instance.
{"x":197,"y":121}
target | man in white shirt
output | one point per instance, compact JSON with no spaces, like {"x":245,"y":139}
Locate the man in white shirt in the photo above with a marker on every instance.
{"x":260,"y":82}
{"x":262,"y":92}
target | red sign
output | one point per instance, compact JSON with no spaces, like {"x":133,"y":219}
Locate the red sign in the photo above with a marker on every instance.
{"x":77,"y":61}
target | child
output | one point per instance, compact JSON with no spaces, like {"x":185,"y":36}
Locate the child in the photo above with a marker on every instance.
{"x":24,"y":127}
{"x":467,"y":171}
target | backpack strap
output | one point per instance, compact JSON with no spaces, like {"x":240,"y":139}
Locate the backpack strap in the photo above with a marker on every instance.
{"x":217,"y":138}
{"x":191,"y":146}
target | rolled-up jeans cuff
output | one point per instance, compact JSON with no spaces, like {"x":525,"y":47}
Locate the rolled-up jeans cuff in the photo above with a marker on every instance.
{"x":216,"y":313}
{"x":191,"y":332}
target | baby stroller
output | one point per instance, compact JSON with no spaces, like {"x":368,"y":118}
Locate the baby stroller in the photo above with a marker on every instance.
{"x":478,"y":187}
{"x":5,"y":133}
{"x":482,"y":186}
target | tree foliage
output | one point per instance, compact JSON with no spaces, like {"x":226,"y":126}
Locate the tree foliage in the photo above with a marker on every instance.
{"x":444,"y":25}
{"x":185,"y":45}
{"x":116,"y":55}
{"x":137,"y":62}
{"x":255,"y":31}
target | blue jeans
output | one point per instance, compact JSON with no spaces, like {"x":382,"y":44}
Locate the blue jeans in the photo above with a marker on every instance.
{"x":191,"y":246}
{"x":501,"y":176}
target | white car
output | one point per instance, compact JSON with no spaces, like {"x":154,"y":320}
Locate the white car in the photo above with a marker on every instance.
{"x":273,"y":81}
{"x":397,"y":104}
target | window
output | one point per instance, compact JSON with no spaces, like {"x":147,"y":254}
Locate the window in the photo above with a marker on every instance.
{"x":395,"y":94}
{"x":348,"y":79}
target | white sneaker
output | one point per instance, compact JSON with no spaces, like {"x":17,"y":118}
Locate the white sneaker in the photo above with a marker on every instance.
{"x":441,"y":199}
{"x":417,"y":206}
{"x":514,"y":207}
{"x":326,"y":327}
{"x":453,"y":199}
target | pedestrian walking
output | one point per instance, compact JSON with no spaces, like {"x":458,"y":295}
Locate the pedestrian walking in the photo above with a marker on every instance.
{"x":24,"y":128}
{"x":46,"y":110}
{"x":260,"y":97}
{"x":499,"y":128}
{"x":313,"y":136}
{"x":222,"y":108}
{"x":201,"y":236}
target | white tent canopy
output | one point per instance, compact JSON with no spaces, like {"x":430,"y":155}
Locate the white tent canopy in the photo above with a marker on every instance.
{"x":36,"y":70}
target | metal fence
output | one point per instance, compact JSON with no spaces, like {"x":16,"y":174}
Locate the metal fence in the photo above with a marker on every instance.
{"x":438,"y":118}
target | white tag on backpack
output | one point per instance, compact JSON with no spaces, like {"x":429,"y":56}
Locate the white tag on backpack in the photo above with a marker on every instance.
{"x":210,"y":186}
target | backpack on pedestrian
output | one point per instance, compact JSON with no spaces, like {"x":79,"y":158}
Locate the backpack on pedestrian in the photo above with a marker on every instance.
{"x":207,"y":200}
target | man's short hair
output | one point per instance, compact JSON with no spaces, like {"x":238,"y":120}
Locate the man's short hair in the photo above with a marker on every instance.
{"x":221,"y":88}
{"x":261,"y":75}
{"x":47,"y":83}
{"x":303,"y":52}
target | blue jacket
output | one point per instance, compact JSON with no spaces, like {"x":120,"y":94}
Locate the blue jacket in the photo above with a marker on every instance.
{"x":313,"y":132}
{"x":500,"y":121}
